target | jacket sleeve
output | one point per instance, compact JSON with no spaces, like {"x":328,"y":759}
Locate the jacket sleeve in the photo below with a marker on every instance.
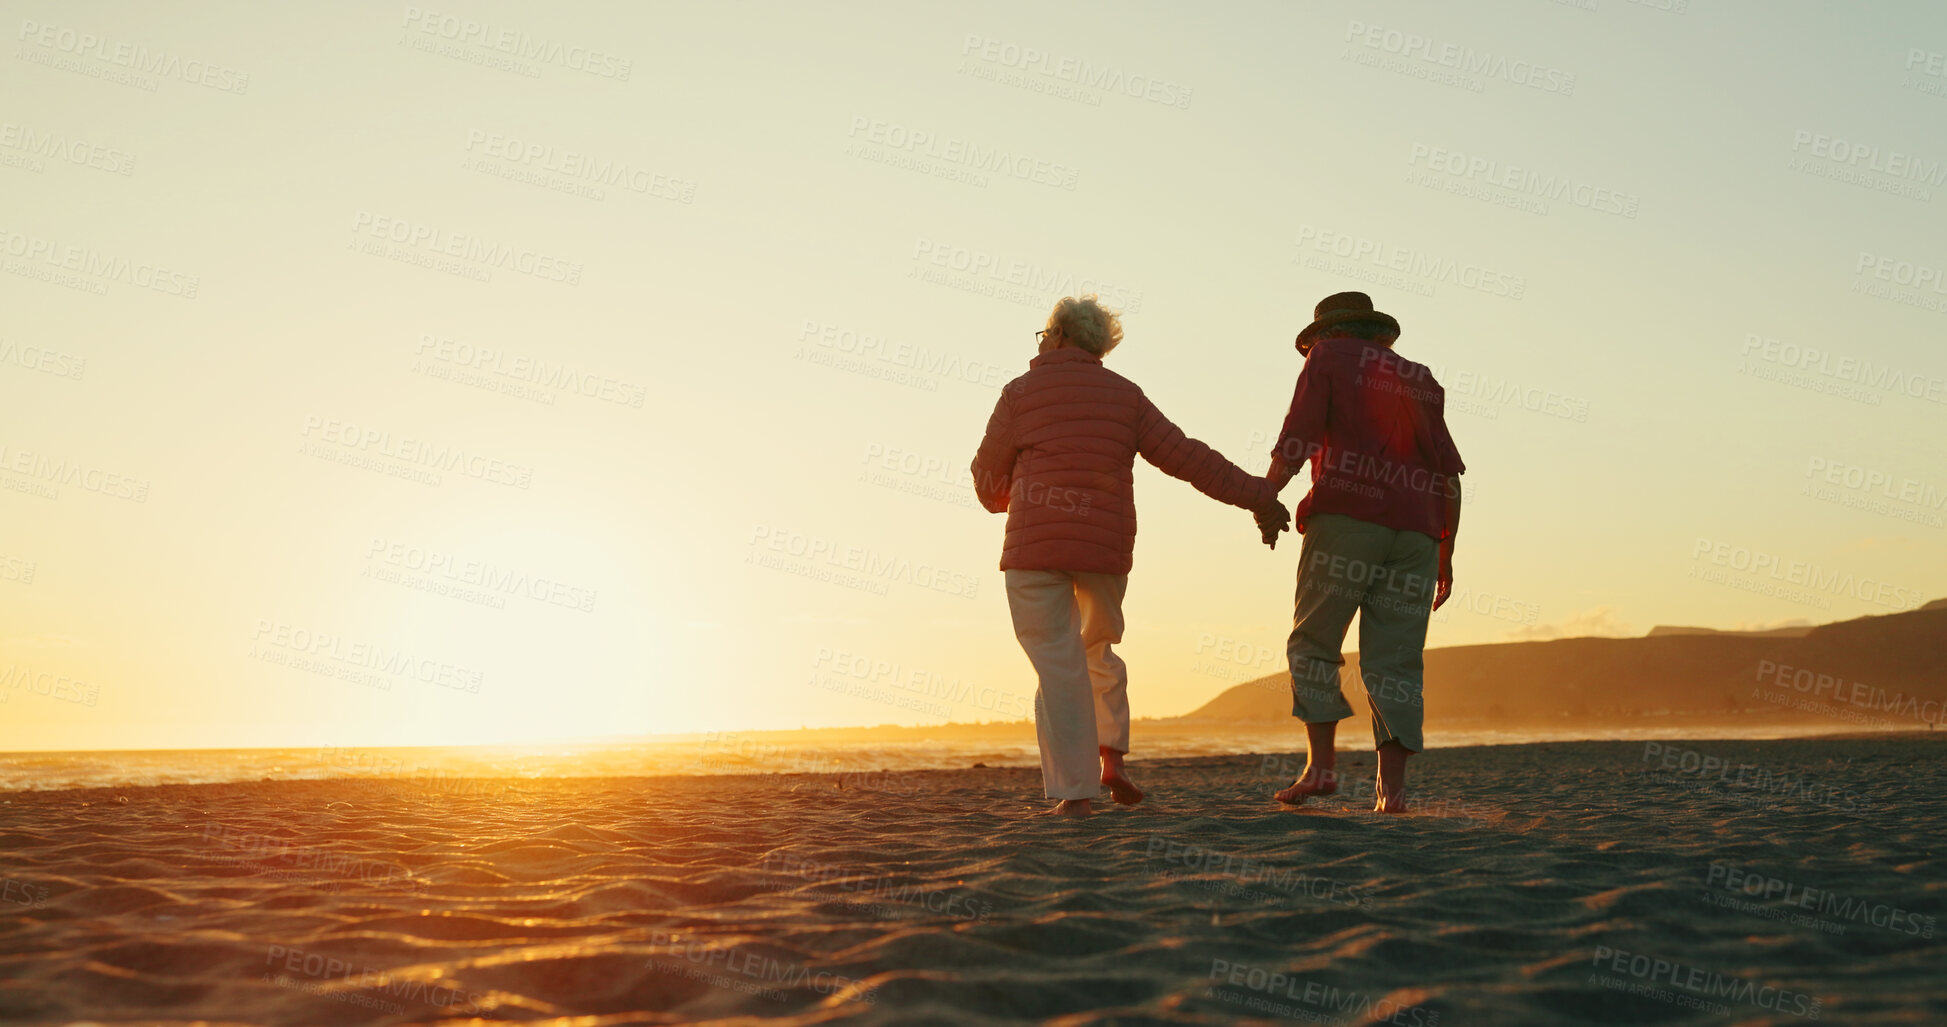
{"x":993,"y":463}
{"x":1179,"y":456}
{"x":1445,"y":456}
{"x":1303,"y":436}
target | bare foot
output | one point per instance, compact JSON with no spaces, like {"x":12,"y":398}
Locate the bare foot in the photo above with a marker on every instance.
{"x":1314,"y":781}
{"x":1391,"y":788}
{"x":1321,"y":765}
{"x":1075,"y":808}
{"x":1121,"y":789}
{"x":1116,"y":778}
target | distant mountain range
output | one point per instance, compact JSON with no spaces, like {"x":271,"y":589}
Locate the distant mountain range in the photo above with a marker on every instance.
{"x":1874,"y":673}
{"x":1787,"y":631}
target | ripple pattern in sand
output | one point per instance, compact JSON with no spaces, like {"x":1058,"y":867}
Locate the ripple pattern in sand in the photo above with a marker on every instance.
{"x":946,"y":900}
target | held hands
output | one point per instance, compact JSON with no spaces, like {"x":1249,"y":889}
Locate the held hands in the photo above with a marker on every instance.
{"x":1272,"y":518}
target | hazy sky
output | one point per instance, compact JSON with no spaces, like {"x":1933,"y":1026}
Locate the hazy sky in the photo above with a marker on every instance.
{"x":390,"y":373}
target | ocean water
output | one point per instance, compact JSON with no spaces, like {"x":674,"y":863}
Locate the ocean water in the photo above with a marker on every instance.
{"x":715,"y":754}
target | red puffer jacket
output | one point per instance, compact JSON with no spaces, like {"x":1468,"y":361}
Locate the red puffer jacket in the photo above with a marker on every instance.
{"x":1059,"y":458}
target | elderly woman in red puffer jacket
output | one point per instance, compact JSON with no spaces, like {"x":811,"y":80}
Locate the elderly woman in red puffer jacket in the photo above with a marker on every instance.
{"x":1059,"y":459}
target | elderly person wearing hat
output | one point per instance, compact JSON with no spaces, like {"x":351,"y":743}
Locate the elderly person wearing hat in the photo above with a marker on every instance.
{"x":1379,"y":526}
{"x":1058,"y":458}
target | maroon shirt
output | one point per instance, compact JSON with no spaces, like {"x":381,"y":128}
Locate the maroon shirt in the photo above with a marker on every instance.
{"x":1373,"y":424}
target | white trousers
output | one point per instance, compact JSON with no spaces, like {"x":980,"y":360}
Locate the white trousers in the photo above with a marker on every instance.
{"x":1066,"y":622}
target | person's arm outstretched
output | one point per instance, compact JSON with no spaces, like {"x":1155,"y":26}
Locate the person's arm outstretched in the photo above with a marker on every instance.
{"x":1162,"y":443}
{"x":993,"y":464}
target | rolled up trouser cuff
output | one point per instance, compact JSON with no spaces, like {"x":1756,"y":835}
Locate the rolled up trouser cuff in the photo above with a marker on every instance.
{"x":1350,"y":567}
{"x":1380,"y":736}
{"x":1311,"y":701}
{"x":1396,"y":693}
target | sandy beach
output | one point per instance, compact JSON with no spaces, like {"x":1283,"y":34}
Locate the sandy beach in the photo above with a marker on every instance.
{"x":1640,"y":882}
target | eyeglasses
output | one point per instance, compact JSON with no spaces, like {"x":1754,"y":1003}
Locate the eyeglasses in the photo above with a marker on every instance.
{"x":1040,"y":334}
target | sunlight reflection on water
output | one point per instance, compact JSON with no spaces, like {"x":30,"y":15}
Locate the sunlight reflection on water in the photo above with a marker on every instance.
{"x":727,"y":753}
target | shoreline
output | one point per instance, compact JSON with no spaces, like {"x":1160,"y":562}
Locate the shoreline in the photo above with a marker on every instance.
{"x":472,"y":783}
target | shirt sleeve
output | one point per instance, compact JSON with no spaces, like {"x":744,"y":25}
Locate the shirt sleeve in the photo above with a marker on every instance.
{"x":1303,"y":436}
{"x":1162,"y":443}
{"x":993,"y":463}
{"x":1445,"y":455}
